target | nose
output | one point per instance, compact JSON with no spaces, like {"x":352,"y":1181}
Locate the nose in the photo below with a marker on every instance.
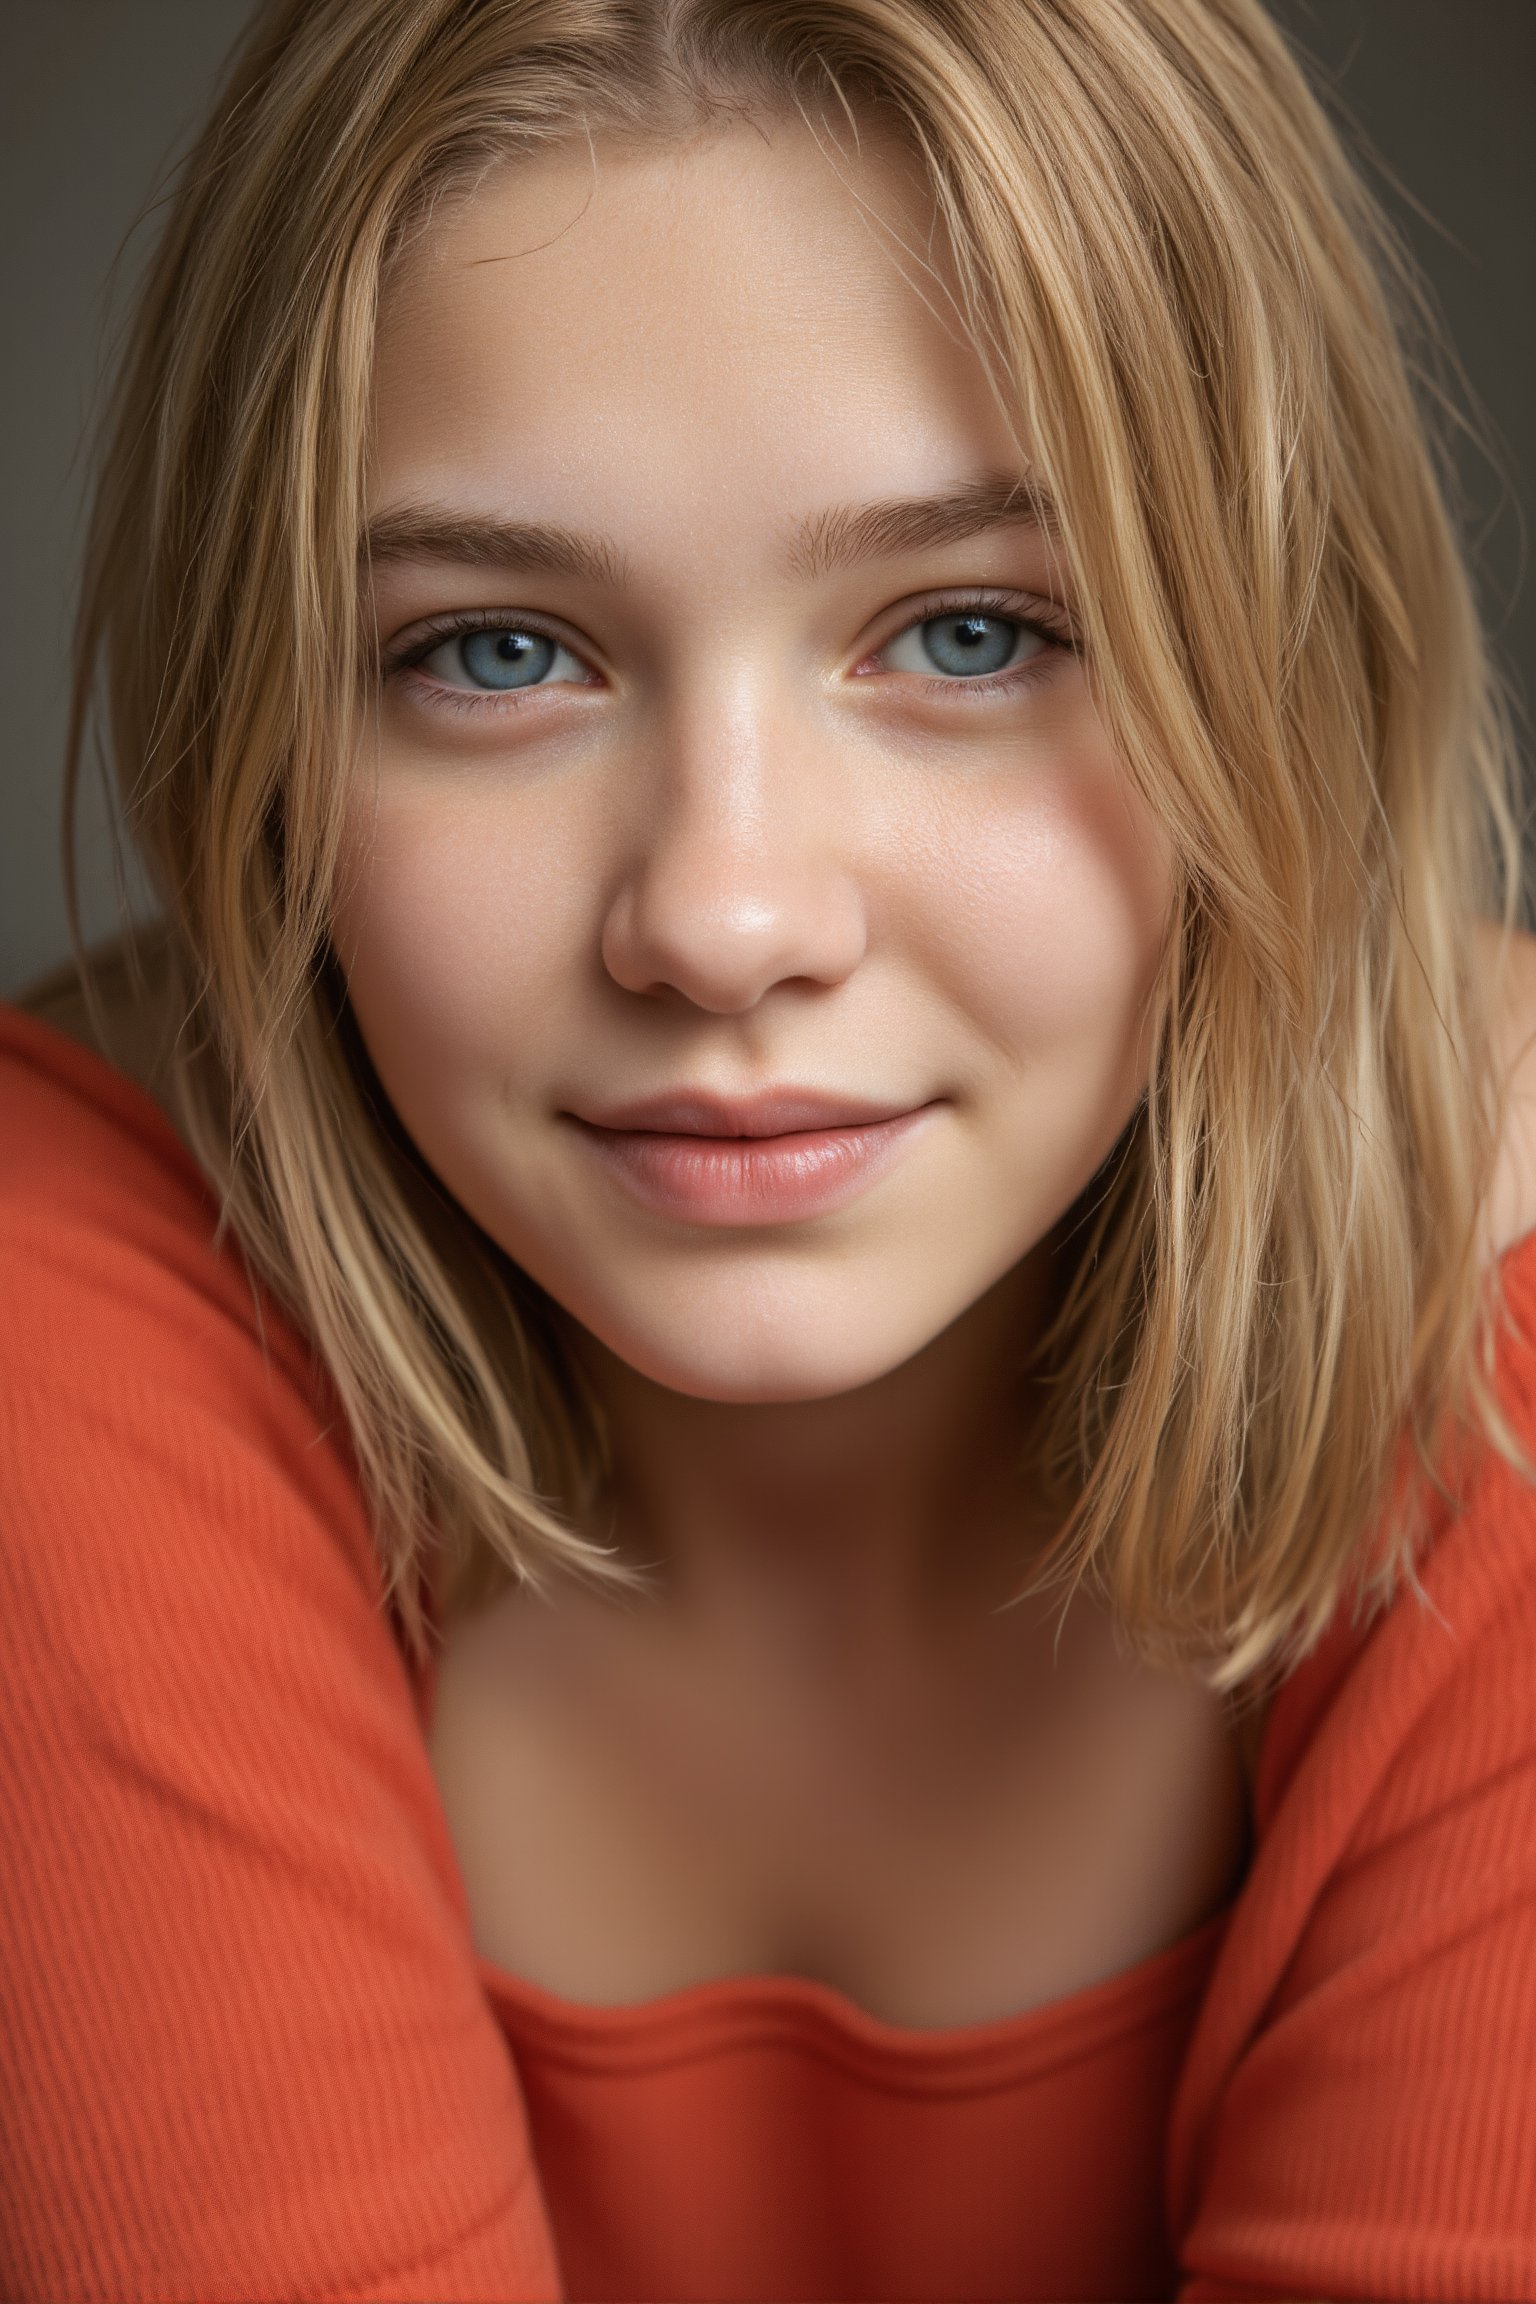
{"x":739,"y":871}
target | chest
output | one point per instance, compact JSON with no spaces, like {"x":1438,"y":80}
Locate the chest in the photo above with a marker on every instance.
{"x":945,"y":1847}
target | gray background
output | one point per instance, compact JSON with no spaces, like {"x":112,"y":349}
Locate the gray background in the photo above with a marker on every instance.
{"x":98,"y":96}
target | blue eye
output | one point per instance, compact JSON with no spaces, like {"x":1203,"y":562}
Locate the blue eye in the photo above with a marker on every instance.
{"x":506,"y":659}
{"x":493,"y":660}
{"x":966,"y":642}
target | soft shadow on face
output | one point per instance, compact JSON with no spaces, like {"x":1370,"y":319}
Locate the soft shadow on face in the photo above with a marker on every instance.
{"x":743,"y":822}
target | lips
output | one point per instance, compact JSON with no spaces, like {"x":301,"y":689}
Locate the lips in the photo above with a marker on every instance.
{"x":727,"y":1163}
{"x":770,"y":1112}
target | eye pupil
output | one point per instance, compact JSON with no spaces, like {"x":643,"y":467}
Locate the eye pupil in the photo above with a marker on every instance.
{"x":980,"y":643}
{"x":506,"y":659}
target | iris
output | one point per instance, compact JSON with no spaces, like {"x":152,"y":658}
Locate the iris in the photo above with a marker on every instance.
{"x":505,"y":659}
{"x":970,"y":643}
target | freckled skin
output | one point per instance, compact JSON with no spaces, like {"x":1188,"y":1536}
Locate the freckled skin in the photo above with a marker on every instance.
{"x":727,"y":842}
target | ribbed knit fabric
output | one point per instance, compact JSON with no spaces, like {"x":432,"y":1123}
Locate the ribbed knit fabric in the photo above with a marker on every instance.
{"x":247,"y":2049}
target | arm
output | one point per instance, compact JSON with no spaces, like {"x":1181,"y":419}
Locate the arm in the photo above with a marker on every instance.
{"x":1377,"y":2136}
{"x":243,"y":2050}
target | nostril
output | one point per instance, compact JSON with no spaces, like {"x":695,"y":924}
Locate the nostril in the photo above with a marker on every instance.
{"x":723,"y":942}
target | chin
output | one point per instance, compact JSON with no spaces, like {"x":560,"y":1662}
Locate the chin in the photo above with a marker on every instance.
{"x":760,"y":1368}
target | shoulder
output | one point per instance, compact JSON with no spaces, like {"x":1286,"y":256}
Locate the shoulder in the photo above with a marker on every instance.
{"x":131,"y":1020}
{"x":101,"y":1206}
{"x":140,"y":1359}
{"x":73,"y":1120}
{"x":180,"y":1506}
{"x":108,"y":1228}
{"x":112,"y":1247}
{"x":99,"y":1194}
{"x":1512,"y":967}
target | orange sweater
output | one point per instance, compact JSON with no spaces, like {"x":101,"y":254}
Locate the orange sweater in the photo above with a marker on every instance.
{"x":247,"y":2048}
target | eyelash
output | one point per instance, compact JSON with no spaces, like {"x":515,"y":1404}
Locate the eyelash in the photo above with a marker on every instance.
{"x":1047,"y":621}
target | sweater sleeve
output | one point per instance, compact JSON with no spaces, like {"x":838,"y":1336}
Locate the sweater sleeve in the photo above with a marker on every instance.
{"x":244,"y":2052}
{"x":1377,"y":2135}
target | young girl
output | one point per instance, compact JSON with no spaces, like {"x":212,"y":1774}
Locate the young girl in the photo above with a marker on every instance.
{"x":767,"y":1529}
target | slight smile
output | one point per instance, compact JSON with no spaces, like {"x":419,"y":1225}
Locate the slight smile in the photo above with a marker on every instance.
{"x":750,"y":1178}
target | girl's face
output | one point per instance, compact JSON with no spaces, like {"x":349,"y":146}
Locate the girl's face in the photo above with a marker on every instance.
{"x":718,"y":756}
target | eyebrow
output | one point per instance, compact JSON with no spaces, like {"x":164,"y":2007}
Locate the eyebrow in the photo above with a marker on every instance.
{"x":842,"y":536}
{"x":847,"y":534}
{"x":480,"y":540}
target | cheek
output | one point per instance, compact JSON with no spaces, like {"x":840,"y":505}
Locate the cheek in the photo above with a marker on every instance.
{"x":456,"y":935}
{"x":1050,"y":892}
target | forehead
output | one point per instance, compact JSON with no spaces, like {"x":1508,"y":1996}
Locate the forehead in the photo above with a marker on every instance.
{"x":752,"y":318}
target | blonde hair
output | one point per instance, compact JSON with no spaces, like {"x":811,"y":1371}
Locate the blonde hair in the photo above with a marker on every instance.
{"x":1190,"y":306}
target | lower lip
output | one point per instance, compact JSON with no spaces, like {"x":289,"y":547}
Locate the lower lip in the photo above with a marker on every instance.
{"x":751,"y":1179}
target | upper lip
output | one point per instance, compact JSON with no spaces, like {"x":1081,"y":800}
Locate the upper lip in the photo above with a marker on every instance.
{"x":771,"y":1112}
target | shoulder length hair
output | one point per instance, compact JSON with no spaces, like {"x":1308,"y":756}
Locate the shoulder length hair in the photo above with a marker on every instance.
{"x":1185,"y":298}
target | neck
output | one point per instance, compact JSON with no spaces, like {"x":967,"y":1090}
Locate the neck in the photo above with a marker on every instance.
{"x":874,"y":1516}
